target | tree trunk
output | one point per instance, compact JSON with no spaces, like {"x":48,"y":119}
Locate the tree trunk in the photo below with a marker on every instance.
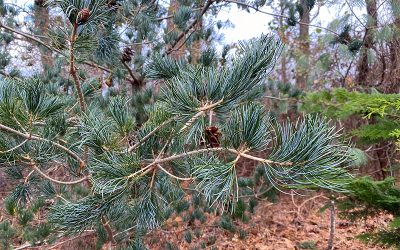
{"x":394,"y":46}
{"x":304,"y":45}
{"x":179,"y":49}
{"x":363,"y":66}
{"x":283,"y":37}
{"x":195,"y":49}
{"x":42,"y":23}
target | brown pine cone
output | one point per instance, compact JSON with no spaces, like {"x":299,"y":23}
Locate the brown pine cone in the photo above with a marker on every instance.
{"x":83,"y":16}
{"x":127,"y":54}
{"x":212,"y":137}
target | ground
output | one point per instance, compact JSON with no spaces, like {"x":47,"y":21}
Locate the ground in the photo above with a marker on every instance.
{"x":292,"y":223}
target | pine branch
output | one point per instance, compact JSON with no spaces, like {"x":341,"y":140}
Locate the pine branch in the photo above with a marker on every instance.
{"x":184,"y":42}
{"x":108,"y":229}
{"x":182,"y":34}
{"x":355,"y":15}
{"x":135,"y":81}
{"x":29,"y":175}
{"x":37,"y":169}
{"x":2,"y":72}
{"x":14,"y":148}
{"x":89,"y":63}
{"x":37,"y":138}
{"x":173,"y":176}
{"x":202,"y":111}
{"x":72,"y":69}
{"x":150,"y":134}
{"x":261,"y":159}
{"x":156,"y":161}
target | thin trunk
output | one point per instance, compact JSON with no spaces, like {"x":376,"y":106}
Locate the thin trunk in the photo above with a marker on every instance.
{"x":394,"y":46}
{"x":304,"y":45}
{"x":42,"y":23}
{"x":363,"y":66}
{"x":195,"y":49}
{"x":171,"y":27}
{"x":332,"y":227}
{"x":284,"y":39}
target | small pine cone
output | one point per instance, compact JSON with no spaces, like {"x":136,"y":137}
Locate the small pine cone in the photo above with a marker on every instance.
{"x":83,"y":16}
{"x":212,"y":136}
{"x":133,"y":139}
{"x":127,"y":54}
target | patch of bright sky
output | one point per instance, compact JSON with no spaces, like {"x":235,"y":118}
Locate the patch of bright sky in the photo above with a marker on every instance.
{"x":246,"y":25}
{"x":252,"y":24}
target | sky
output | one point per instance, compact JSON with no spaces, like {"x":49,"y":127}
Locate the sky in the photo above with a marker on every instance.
{"x":246,"y":25}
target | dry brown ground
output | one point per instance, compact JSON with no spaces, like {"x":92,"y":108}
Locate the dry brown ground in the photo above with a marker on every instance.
{"x":277,"y":226}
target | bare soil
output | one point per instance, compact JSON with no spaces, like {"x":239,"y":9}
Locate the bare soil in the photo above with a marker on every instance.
{"x":291,"y":223}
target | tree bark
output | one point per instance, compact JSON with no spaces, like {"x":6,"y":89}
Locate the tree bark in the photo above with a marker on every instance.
{"x":42,"y":23}
{"x":171,"y":27}
{"x":304,"y":45}
{"x":394,"y":46}
{"x":363,"y":66}
{"x":195,"y":49}
{"x":283,"y":37}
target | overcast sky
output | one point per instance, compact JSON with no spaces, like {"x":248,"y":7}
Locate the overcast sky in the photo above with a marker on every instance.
{"x":248,"y":25}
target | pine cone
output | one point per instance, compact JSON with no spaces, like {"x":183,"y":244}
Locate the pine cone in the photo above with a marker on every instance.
{"x":83,"y":16}
{"x":133,"y":139}
{"x":212,"y":137}
{"x":127,"y":54}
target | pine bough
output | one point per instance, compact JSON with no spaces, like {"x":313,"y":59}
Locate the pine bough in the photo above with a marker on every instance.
{"x":135,"y":185}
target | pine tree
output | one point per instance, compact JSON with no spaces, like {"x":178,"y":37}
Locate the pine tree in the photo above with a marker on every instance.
{"x":119,"y":168}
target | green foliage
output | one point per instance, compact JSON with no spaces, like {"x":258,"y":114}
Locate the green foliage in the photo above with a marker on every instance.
{"x":378,"y":195}
{"x":250,"y":121}
{"x":369,"y":198}
{"x":218,"y":184}
{"x":6,"y":234}
{"x":242,"y":234}
{"x":314,"y":162}
{"x":310,"y":245}
{"x":71,"y":8}
{"x":227,"y":223}
{"x":340,"y":103}
{"x":188,"y":237}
